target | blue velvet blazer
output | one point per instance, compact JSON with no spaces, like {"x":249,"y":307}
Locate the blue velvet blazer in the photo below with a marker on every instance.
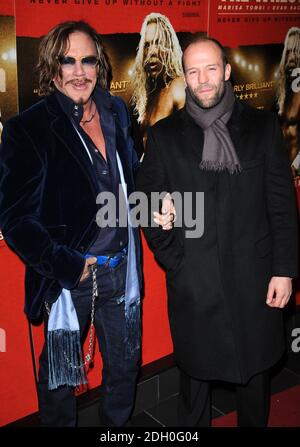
{"x":48,"y":195}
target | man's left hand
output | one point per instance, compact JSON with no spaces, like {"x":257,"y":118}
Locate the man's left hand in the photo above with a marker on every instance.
{"x":279,"y":291}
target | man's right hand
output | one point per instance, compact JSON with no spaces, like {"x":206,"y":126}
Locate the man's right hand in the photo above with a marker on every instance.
{"x":86,"y":271}
{"x":168,"y":213}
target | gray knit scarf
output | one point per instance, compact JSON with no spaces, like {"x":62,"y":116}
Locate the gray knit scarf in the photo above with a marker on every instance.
{"x":218,"y":150}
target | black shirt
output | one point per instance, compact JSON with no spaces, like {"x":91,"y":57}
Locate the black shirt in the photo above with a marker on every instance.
{"x":110,"y":239}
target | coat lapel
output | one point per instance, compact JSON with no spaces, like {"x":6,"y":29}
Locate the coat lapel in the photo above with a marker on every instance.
{"x":121,"y":145}
{"x":193,"y":137}
{"x":237,"y":126}
{"x":63,"y":129}
{"x":121,"y":148}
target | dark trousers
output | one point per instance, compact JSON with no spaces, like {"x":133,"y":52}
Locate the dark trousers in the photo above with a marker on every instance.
{"x":58,"y":407}
{"x":253,"y":402}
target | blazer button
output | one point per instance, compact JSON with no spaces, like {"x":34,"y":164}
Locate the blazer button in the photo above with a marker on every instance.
{"x":81,"y":249}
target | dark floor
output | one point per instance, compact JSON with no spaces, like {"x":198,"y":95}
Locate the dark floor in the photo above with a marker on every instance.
{"x":164,"y":413}
{"x":157,"y":391}
{"x":156,"y":402}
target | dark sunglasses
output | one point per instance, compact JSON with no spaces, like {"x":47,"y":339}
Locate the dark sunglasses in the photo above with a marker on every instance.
{"x":69,"y":62}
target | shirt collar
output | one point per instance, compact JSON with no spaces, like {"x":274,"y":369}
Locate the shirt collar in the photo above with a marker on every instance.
{"x":71,"y":109}
{"x":101,"y":97}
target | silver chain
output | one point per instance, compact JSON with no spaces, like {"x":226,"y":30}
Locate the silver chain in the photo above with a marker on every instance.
{"x":88,"y":357}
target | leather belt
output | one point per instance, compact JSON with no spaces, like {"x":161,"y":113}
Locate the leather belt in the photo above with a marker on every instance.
{"x":109,"y":260}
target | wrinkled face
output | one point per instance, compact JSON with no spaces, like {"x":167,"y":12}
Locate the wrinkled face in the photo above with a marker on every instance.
{"x":78,"y":69}
{"x":205,"y":73}
{"x":291,"y":57}
{"x":152,"y":59}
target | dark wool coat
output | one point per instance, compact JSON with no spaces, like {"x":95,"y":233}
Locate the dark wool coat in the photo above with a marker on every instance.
{"x":217,"y":284}
{"x":48,"y":195}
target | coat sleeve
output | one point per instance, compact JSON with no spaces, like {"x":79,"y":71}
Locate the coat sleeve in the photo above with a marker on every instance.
{"x":152,"y":177}
{"x":281,"y":206}
{"x":22,"y":176}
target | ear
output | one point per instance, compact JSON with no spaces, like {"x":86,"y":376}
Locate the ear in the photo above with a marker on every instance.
{"x":227,"y":72}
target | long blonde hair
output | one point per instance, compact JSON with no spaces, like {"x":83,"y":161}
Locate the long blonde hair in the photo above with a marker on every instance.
{"x":293,"y":40}
{"x":170,"y":54}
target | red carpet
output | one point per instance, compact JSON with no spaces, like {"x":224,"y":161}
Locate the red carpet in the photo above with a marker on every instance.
{"x":285,"y":411}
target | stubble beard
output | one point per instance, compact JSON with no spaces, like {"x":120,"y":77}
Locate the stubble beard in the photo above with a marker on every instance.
{"x":81,"y":101}
{"x":212,"y":102}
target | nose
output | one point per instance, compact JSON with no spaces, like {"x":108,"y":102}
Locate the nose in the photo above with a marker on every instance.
{"x":78,"y":69}
{"x":291,"y":57}
{"x":202,"y":77}
{"x":150,"y":51}
{"x":154,"y":50}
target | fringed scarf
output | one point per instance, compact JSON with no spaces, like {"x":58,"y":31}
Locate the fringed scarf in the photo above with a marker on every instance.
{"x":64,"y":346}
{"x":218,"y":150}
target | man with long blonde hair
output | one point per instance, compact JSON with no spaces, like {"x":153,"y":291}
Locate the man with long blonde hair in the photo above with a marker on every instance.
{"x":288,"y":95}
{"x":158,"y":83}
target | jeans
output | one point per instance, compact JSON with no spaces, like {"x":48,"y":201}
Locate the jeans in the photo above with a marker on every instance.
{"x":58,"y":407}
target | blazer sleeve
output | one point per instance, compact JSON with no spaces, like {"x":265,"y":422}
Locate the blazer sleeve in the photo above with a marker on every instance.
{"x":22,"y":177}
{"x":152,"y":177}
{"x":281,"y":206}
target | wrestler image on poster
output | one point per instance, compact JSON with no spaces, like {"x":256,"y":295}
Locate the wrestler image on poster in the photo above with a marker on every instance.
{"x":288,"y":96}
{"x":158,"y":85}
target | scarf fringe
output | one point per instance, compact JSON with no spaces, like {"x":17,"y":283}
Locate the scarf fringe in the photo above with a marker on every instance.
{"x":65,"y":358}
{"x":208,"y":165}
{"x":133,"y":335}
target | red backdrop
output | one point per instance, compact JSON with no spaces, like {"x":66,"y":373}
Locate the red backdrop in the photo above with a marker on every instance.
{"x":17,"y":389}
